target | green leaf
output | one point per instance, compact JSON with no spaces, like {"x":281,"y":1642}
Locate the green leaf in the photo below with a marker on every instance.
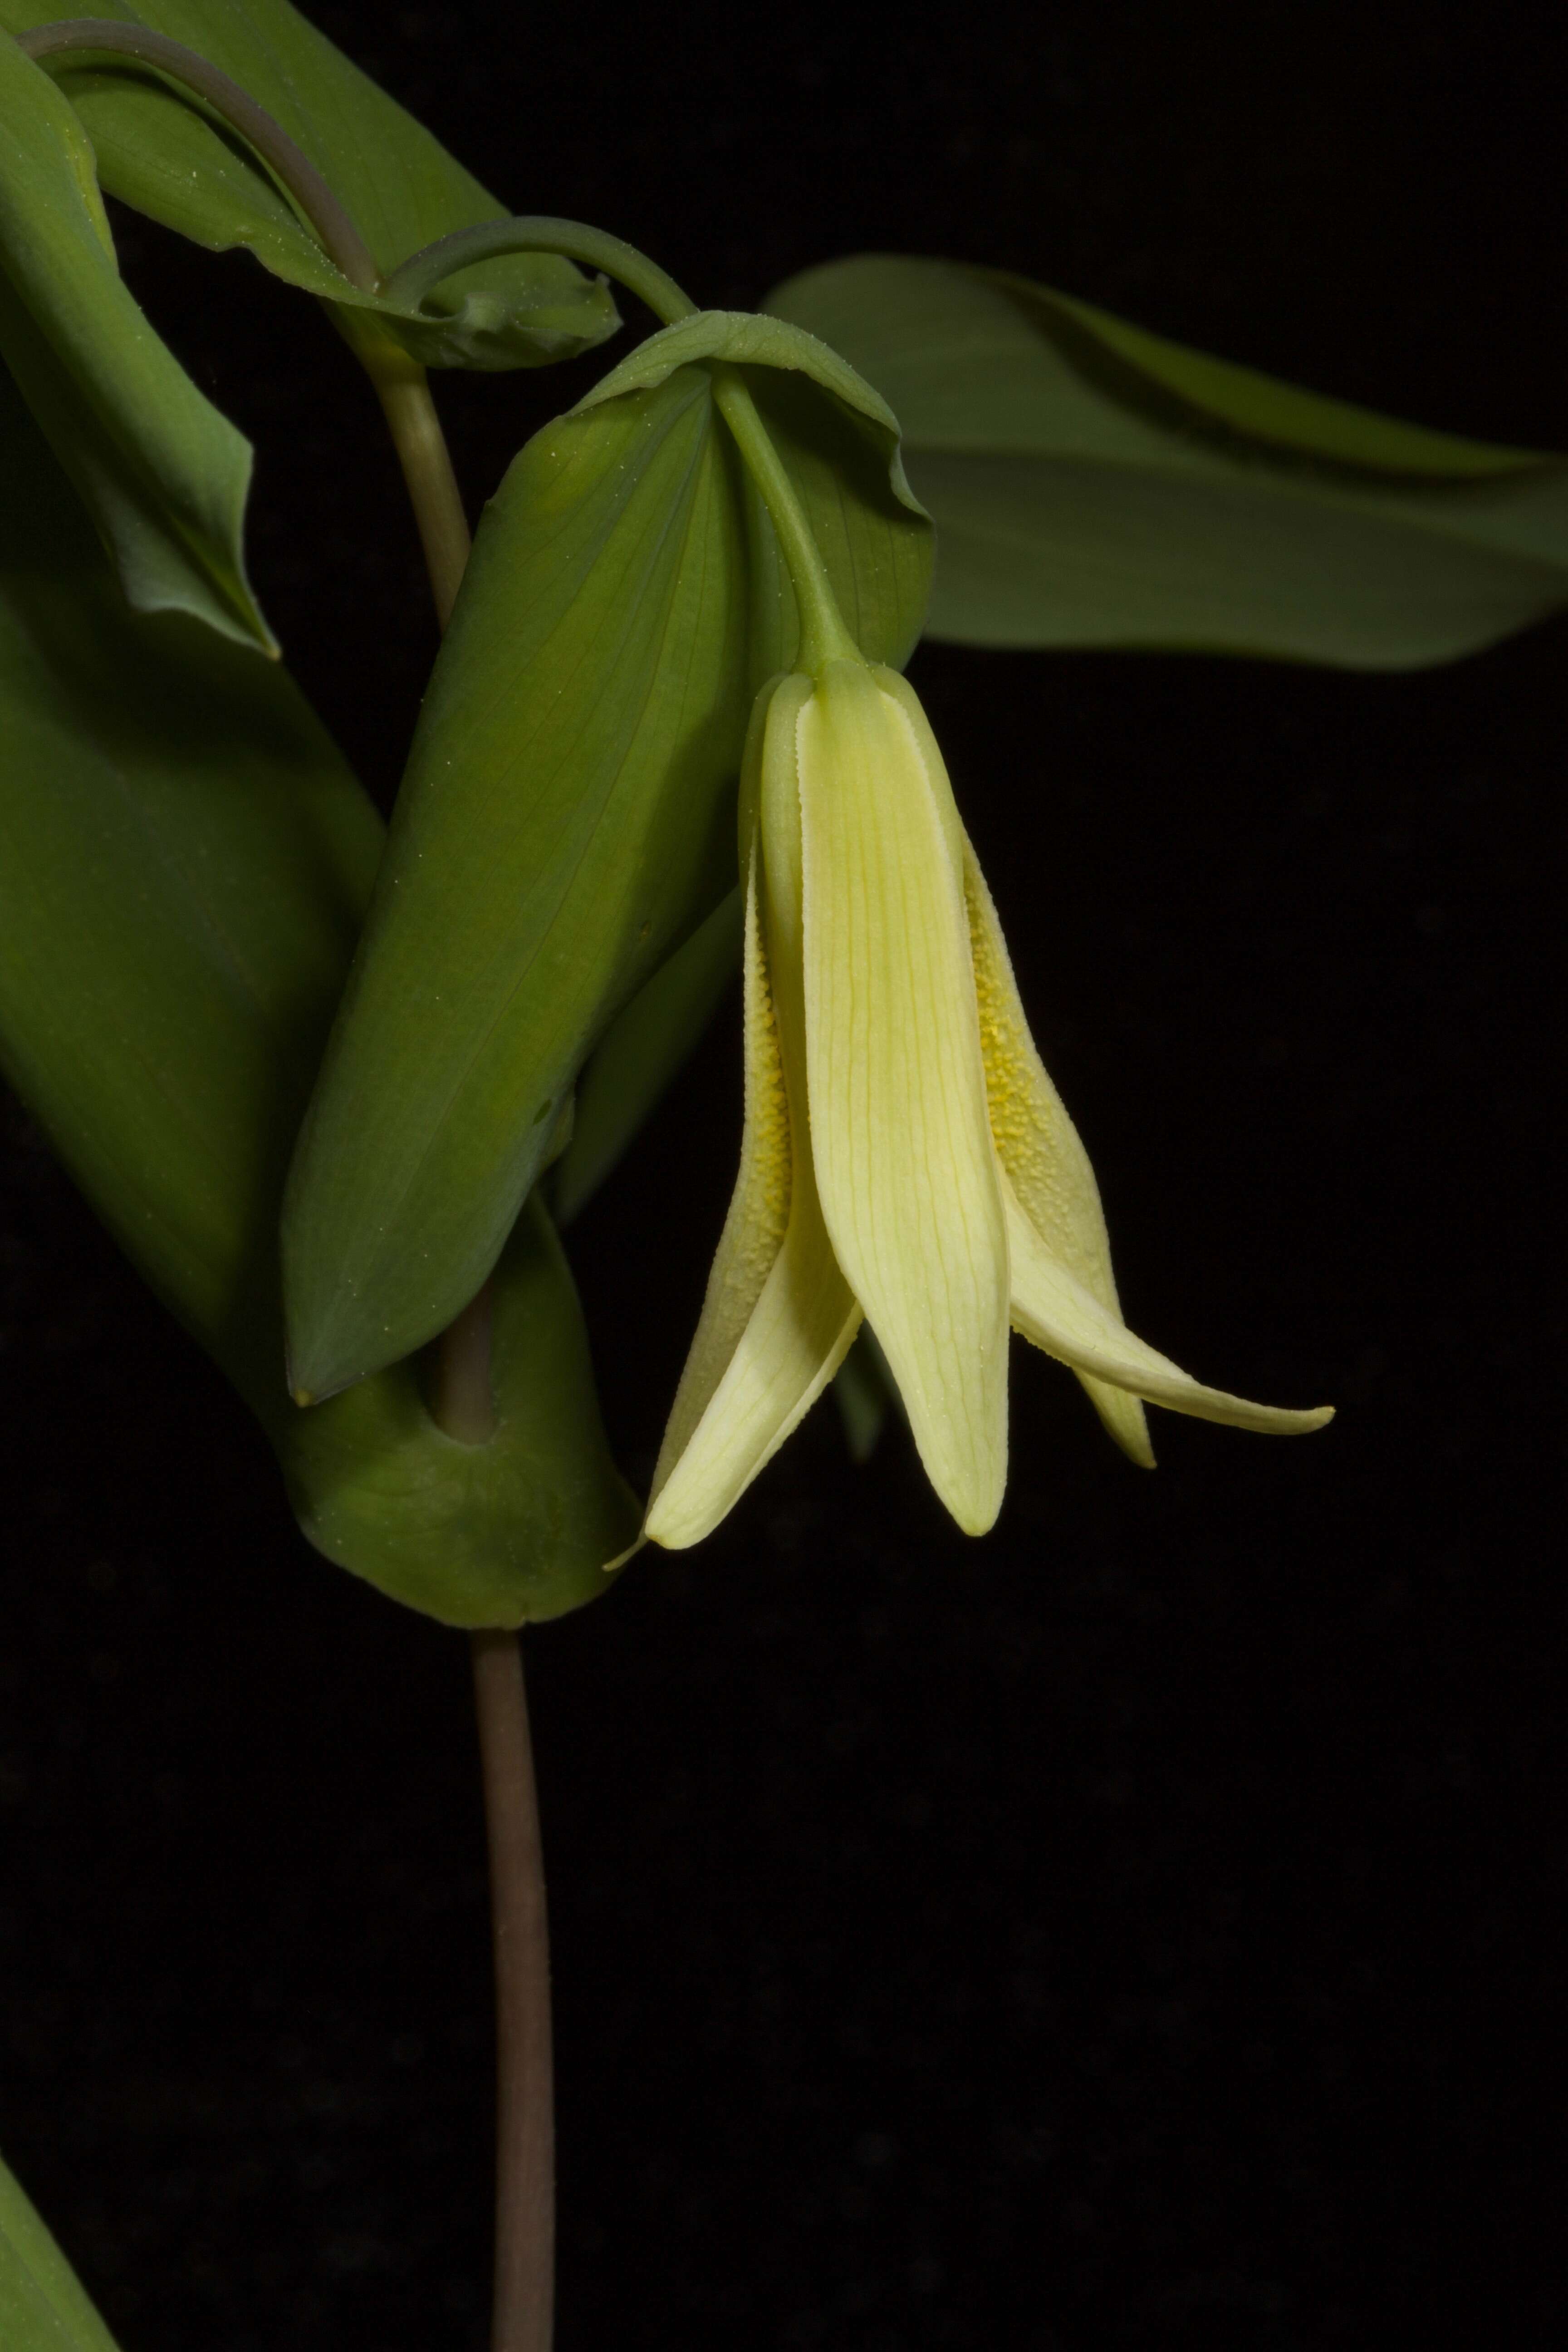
{"x":514,"y":1531}
{"x":162,"y":474}
{"x":185,"y":859}
{"x":43,"y":2306}
{"x":642,"y":1051}
{"x":1095,"y":485}
{"x":567,"y":816}
{"x":161,"y":152}
{"x":844,"y":458}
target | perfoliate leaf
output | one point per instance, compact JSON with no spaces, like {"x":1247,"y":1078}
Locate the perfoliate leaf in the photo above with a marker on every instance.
{"x":162,"y":474}
{"x":516,"y":1530}
{"x":1095,"y":485}
{"x":185,"y":859}
{"x":641,"y":1053}
{"x":839,"y":440}
{"x":565,"y":820}
{"x":43,"y":2306}
{"x":159,"y":150}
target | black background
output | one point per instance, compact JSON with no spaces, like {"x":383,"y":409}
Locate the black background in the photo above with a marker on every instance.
{"x":1143,"y":1928}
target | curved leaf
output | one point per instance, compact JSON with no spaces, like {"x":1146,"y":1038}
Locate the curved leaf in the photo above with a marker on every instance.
{"x":185,"y":859}
{"x":565,"y":819}
{"x":1095,"y":485}
{"x":43,"y":2308}
{"x":162,"y":473}
{"x":567,"y":814}
{"x":840,"y":441}
{"x":519,"y":1529}
{"x":162,"y":154}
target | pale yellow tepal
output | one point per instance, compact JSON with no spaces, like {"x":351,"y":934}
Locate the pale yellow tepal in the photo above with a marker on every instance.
{"x":905,"y":1156}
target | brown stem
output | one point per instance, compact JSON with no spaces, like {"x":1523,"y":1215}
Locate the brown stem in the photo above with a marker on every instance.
{"x":525,"y":2128}
{"x":462,"y":1402}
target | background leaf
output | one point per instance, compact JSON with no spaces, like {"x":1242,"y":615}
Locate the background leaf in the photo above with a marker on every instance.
{"x":184,"y":861}
{"x":162,"y":154}
{"x":1094,"y":485}
{"x":162,"y":474}
{"x":43,"y":2306}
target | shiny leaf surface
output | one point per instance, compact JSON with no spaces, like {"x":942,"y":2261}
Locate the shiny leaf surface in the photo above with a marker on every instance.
{"x":1095,"y":485}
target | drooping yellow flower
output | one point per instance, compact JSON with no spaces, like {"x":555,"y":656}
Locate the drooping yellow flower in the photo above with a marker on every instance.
{"x":905,"y":1156}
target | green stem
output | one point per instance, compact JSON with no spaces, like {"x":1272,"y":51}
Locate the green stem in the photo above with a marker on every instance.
{"x":83,"y":36}
{"x":402,"y":389}
{"x":542,"y":233}
{"x":823,"y":635}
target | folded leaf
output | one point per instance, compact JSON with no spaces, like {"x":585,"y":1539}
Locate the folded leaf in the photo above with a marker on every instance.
{"x":1095,"y":485}
{"x":566,"y":818}
{"x":159,"y":152}
{"x":185,"y":859}
{"x":43,"y":2306}
{"x":841,"y":442}
{"x":567,"y":814}
{"x":162,"y":474}
{"x":516,"y":1530}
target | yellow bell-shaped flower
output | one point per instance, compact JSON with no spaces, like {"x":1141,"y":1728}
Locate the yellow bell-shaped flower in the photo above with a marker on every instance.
{"x":905,"y":1156}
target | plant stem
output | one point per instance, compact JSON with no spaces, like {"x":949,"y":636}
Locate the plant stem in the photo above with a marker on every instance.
{"x":462,"y":1404}
{"x":823,"y":635}
{"x":522,"y":2315}
{"x":594,"y":248}
{"x":403,"y":392}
